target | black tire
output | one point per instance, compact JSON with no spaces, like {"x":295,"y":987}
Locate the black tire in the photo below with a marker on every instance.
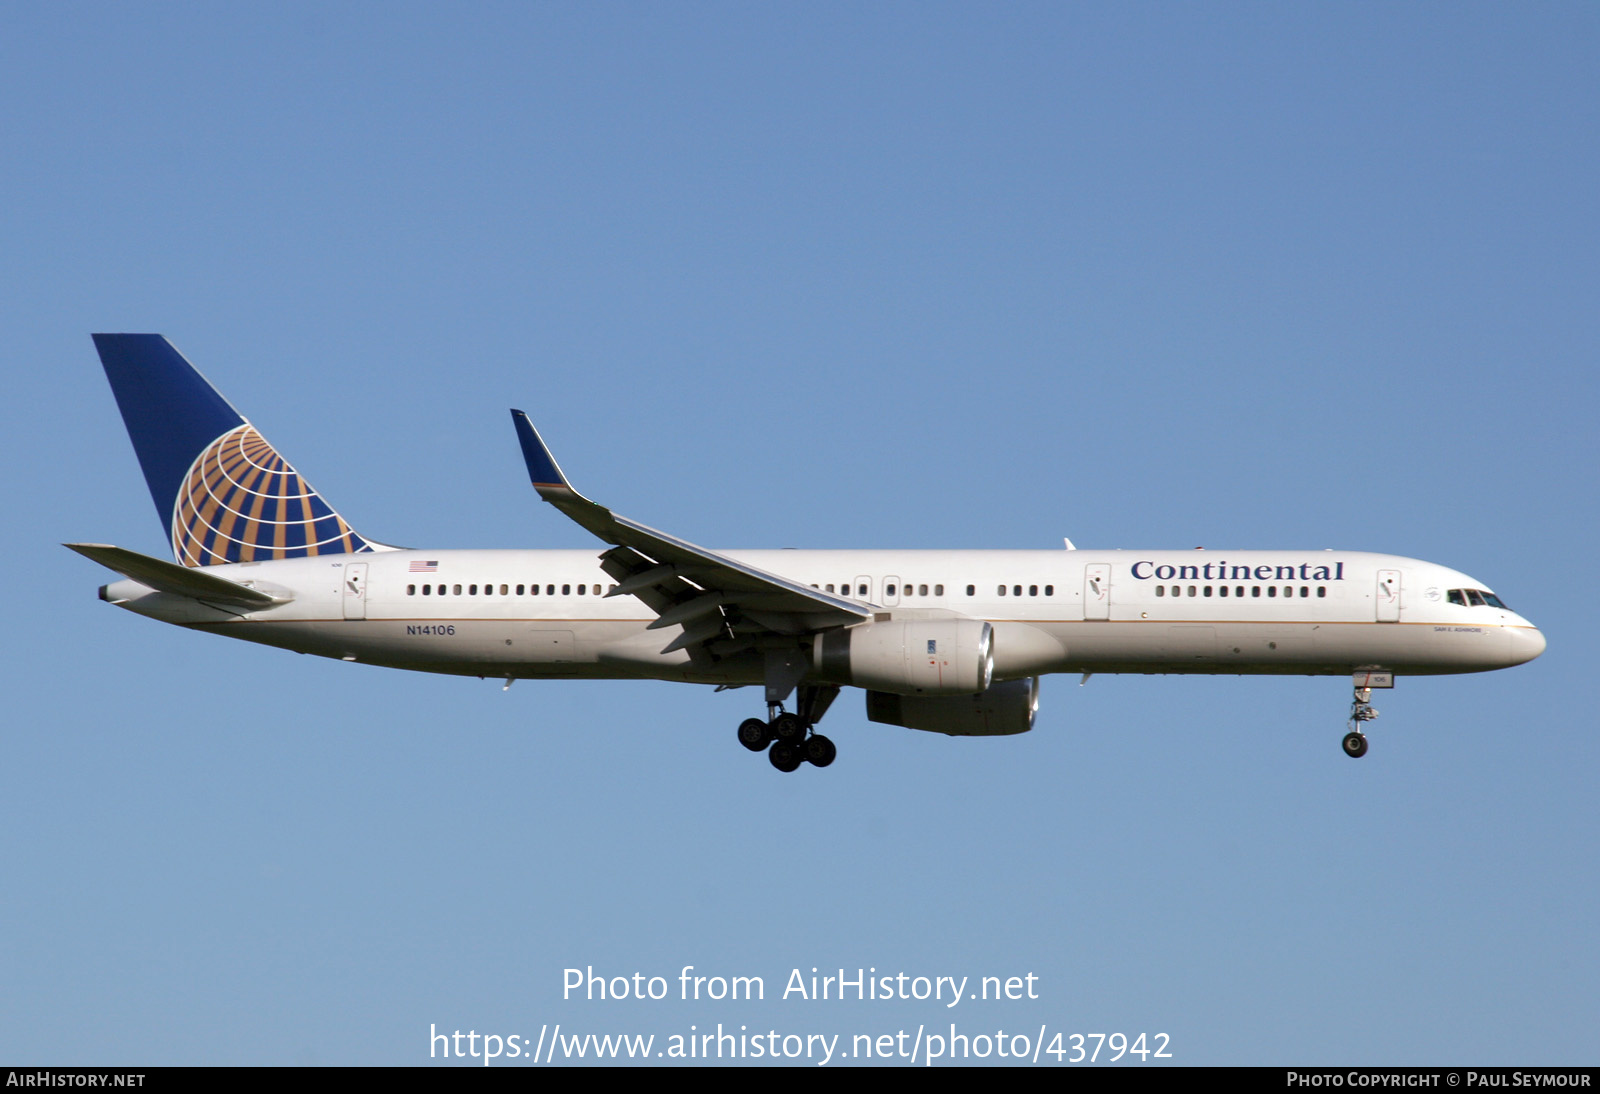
{"x":789,"y":727}
{"x":754,"y":734}
{"x":785,"y":755}
{"x":819,"y":750}
{"x":1355,"y":745}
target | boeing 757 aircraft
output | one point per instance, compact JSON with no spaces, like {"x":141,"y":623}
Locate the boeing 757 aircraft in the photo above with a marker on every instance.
{"x":949,"y":641}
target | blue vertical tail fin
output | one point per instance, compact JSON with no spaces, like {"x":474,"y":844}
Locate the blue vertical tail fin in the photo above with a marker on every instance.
{"x":222,"y":492}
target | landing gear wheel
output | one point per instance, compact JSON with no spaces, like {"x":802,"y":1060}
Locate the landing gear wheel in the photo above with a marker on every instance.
{"x":1355,"y":745}
{"x":785,"y":755}
{"x":789,"y":727}
{"x":819,"y":751}
{"x":754,"y":734}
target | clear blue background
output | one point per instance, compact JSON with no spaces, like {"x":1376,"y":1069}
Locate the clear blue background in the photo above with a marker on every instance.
{"x":918,"y":275}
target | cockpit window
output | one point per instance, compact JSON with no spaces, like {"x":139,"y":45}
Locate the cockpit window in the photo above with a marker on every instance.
{"x":1475,"y":598}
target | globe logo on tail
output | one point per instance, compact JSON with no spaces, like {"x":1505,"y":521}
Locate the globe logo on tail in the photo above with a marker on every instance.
{"x":242,"y":502}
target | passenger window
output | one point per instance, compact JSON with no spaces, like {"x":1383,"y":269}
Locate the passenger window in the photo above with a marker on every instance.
{"x":581,"y":589}
{"x":1000,"y":589}
{"x":830,"y":588}
{"x":1322,"y":590}
{"x":472,"y":590}
{"x":972,"y":590}
{"x":888,"y":590}
{"x":1238,"y":590}
{"x":549,"y":590}
{"x":938,"y":590}
{"x":1255,"y":590}
{"x":1192,"y":591}
{"x":1208,"y":590}
{"x":1305,"y":591}
{"x":922,"y":590}
{"x":861,"y":590}
{"x":411,"y":590}
{"x":566,"y":590}
{"x":1049,"y":590}
{"x":1016,"y":590}
{"x":505,"y":589}
{"x":1161,"y":590}
{"x":1272,"y":590}
{"x":458,"y":590}
{"x":1222,"y":590}
{"x":1033,"y":590}
{"x":427,"y":590}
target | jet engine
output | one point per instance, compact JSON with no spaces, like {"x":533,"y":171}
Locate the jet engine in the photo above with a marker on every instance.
{"x":939,"y":656}
{"x":1003,"y":709}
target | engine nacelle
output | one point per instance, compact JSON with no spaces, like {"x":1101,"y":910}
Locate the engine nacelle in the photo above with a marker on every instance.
{"x":939,"y":656}
{"x":1003,"y":709}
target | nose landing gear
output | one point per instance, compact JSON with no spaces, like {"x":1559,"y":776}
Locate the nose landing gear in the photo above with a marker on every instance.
{"x":1361,"y":712}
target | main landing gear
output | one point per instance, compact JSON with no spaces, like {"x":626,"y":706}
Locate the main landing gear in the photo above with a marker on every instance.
{"x":790,"y":739}
{"x":1361,"y":712}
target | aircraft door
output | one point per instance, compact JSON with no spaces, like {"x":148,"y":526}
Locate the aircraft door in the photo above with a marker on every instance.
{"x":891,"y":591}
{"x":355,"y":590}
{"x":1388,"y":596}
{"x":1097,"y":591}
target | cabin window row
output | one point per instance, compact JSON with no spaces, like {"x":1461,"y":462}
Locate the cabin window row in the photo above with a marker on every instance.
{"x":1237,"y":590}
{"x":1016,"y":590}
{"x":864,"y":590}
{"x":505,"y":590}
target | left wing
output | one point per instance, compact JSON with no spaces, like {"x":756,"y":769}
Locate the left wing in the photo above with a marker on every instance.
{"x":723,"y":605}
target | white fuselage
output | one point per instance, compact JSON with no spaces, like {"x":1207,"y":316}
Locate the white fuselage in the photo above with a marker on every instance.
{"x":475,"y":612}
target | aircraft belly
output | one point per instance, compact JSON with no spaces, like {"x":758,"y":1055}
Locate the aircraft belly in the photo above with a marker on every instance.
{"x":1326,"y":648}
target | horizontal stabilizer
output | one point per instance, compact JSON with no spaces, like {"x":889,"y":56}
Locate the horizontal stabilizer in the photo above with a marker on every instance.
{"x":166,"y":577}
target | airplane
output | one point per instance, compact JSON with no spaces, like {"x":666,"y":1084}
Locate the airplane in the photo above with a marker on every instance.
{"x":951,"y":642}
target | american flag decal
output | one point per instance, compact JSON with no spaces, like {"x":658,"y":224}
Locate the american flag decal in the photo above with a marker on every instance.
{"x":425,"y":567}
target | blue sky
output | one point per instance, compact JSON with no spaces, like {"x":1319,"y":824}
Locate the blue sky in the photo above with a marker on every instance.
{"x":818,"y":275}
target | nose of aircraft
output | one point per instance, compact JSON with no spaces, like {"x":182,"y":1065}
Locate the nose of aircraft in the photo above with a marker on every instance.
{"x":1526,"y":644}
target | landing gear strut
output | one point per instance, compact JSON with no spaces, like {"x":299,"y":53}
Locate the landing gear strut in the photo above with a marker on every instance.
{"x":790,"y":738}
{"x":1361,"y":712}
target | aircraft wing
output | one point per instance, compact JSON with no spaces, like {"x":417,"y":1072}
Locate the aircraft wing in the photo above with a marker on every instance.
{"x":722,"y":604}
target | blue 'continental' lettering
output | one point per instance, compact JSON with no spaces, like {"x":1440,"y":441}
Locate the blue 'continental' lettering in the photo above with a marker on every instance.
{"x":1144,"y":570}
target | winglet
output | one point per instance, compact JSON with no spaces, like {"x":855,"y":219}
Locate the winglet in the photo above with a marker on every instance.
{"x":542,"y":467}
